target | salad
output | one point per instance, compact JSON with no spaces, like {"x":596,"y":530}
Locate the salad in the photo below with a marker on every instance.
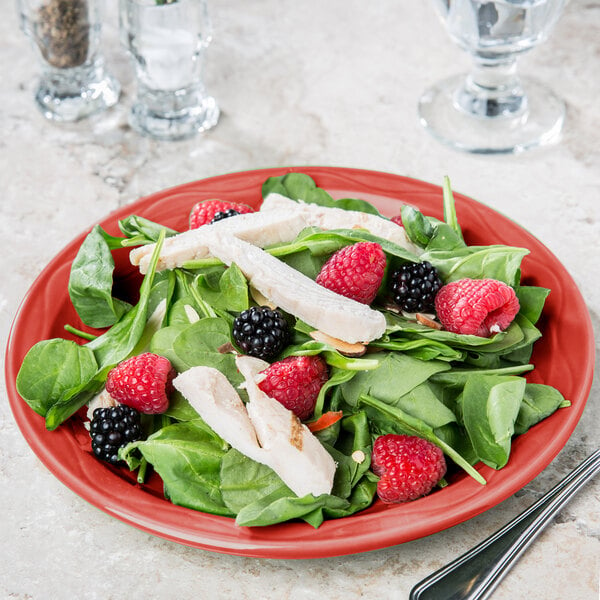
{"x":465,"y":393}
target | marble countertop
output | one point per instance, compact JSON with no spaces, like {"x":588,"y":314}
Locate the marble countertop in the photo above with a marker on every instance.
{"x":299,"y":83}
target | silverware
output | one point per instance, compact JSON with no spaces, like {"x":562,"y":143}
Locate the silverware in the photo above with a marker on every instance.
{"x":477,"y":573}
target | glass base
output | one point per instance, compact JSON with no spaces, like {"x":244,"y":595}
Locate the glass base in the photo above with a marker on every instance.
{"x":175,"y":125}
{"x":539,"y":124}
{"x":67,"y":96}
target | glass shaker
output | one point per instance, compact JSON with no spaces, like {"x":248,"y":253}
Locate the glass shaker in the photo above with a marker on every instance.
{"x":73,"y":83}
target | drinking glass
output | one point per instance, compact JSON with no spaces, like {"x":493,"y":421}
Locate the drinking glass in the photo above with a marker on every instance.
{"x":166,"y":41}
{"x":492,"y":109}
{"x":66,"y":35}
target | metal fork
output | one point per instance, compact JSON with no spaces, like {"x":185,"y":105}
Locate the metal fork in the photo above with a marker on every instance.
{"x":477,"y":573}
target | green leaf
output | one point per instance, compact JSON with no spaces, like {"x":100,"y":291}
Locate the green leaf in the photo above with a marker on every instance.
{"x":187,"y":456}
{"x":531,"y":301}
{"x":259,"y":497}
{"x":74,"y":398}
{"x":478,"y":262}
{"x":396,"y":375}
{"x":50,"y":369}
{"x":490,"y":406}
{"x":299,"y":186}
{"x":418,"y":228}
{"x":224,"y":288}
{"x":91,"y":282}
{"x":422,"y":348}
{"x":450,"y":209}
{"x":120,"y":340}
{"x":459,"y":376}
{"x":539,"y":402}
{"x":401,"y":422}
{"x":140,"y":231}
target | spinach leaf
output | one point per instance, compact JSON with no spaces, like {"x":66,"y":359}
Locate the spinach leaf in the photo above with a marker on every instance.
{"x":418,"y":228}
{"x":225,"y":289}
{"x":74,"y":398}
{"x":396,"y":420}
{"x":500,"y":342}
{"x":259,"y":497}
{"x":337,"y":376}
{"x":120,"y":340}
{"x":531,"y":301}
{"x":539,"y":402}
{"x":490,"y":406}
{"x":299,"y":186}
{"x":197,"y":344}
{"x":51,"y":368}
{"x":331,"y":356}
{"x":321,"y":243}
{"x":162,"y":344}
{"x":458,"y":376}
{"x":478,"y":262}
{"x":428,"y":232}
{"x":108,"y":349}
{"x":140,"y":230}
{"x":421,"y":348}
{"x":91,"y":281}
{"x":279,"y":507}
{"x":180,"y":409}
{"x":521,"y":352}
{"x":422,"y":402}
{"x":450,"y":209}
{"x":396,"y":375}
{"x":187,"y":456}
{"x":245,"y":481}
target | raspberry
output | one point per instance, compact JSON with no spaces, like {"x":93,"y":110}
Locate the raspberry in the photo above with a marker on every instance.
{"x":414,"y":286}
{"x":203,"y":212}
{"x":355,"y":271}
{"x":295,"y":382}
{"x":261,"y":332}
{"x":143,"y":382}
{"x":476,"y":306}
{"x":397,"y":219}
{"x":111,"y":429}
{"x":408,"y":466}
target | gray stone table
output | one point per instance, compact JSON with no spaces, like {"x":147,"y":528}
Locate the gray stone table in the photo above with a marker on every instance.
{"x":299,"y":83}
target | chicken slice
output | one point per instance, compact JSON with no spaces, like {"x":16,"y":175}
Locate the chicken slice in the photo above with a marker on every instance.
{"x":263,"y":430}
{"x":326,"y":217}
{"x":216,"y":401}
{"x":260,"y":229}
{"x":294,"y":453}
{"x":297,"y":294}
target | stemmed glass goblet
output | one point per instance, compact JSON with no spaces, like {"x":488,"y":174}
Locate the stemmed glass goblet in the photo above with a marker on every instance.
{"x":492,"y":110}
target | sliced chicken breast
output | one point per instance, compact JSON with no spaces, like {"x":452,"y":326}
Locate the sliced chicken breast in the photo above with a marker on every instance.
{"x":216,"y":401}
{"x":260,"y":229}
{"x":297,"y":294}
{"x":263,"y":430}
{"x":326,"y":217}
{"x":294,"y":453}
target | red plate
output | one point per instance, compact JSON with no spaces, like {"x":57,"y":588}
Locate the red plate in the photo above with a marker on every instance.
{"x":564,"y":358}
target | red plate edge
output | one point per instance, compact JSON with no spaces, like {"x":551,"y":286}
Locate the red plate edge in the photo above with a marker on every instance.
{"x":378,"y":526}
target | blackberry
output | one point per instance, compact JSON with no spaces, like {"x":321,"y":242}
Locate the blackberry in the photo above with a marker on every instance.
{"x":414,"y":287}
{"x":261,"y":332}
{"x":114,"y":427}
{"x":224,"y":214}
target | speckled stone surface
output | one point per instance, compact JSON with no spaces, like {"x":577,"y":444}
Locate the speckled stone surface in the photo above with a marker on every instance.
{"x":321,"y":83}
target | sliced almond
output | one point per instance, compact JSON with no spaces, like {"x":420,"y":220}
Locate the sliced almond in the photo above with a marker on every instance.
{"x":345,"y":348}
{"x":358,"y":456}
{"x":427,"y":321}
{"x":260,"y":299}
{"x":392,"y":308}
{"x":227,"y":348}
